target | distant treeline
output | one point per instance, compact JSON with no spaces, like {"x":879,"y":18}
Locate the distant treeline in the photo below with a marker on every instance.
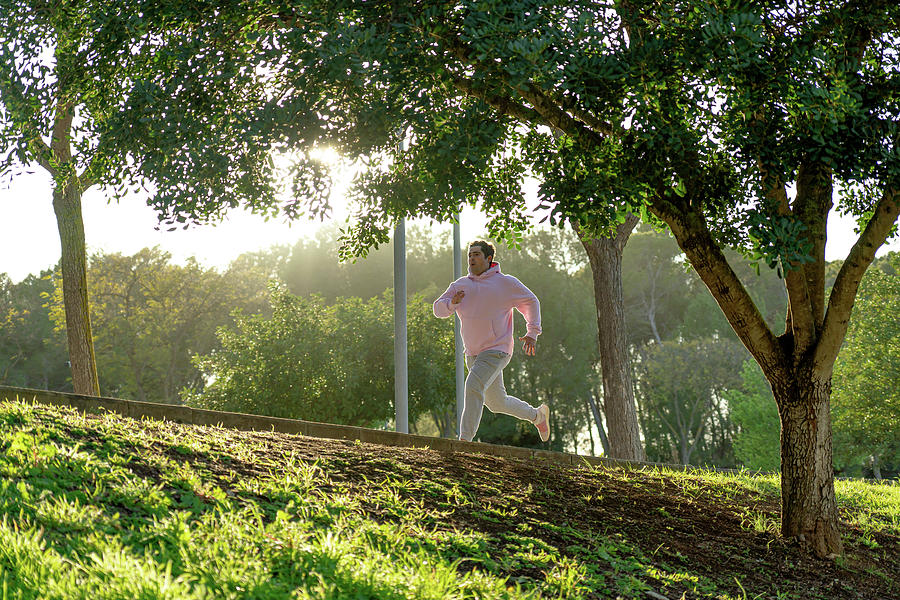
{"x":292,"y":332}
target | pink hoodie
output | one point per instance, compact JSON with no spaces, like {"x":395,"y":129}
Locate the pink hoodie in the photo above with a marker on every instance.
{"x":486,"y":311}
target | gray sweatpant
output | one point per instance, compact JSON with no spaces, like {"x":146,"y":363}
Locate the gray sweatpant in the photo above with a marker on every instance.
{"x":484,"y":387}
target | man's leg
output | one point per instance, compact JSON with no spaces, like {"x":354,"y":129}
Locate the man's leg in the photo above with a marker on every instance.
{"x":484,"y":369}
{"x":498,"y":401}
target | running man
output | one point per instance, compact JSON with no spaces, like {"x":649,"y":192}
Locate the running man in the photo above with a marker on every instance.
{"x":484,"y":301}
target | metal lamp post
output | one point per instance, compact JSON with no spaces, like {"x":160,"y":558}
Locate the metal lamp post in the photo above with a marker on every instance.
{"x":460,"y":360}
{"x":401,"y":374}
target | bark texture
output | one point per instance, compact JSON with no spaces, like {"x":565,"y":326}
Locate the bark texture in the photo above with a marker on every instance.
{"x":67,"y":206}
{"x":605,"y":256}
{"x":808,"y":506}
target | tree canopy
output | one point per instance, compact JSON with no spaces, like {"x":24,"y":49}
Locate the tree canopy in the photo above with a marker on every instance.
{"x":737,"y":124}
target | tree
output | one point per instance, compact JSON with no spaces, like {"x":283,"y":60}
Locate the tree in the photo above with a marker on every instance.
{"x":605,"y":255}
{"x":282,"y":365}
{"x":329,"y":363}
{"x":672,"y":317}
{"x":734,"y":125}
{"x":866,"y":393}
{"x":681,"y":386}
{"x":152,"y":316}
{"x":39,"y":95}
{"x":430,"y":363}
{"x":11,"y":318}
{"x":665,"y":299}
{"x":654,"y":282}
{"x":68,"y":72}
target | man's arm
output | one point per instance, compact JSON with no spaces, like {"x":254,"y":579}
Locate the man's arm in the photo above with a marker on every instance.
{"x":527,"y":303}
{"x":448,"y":302}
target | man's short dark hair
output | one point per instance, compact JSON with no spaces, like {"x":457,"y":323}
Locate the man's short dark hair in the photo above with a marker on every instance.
{"x":486,"y":248}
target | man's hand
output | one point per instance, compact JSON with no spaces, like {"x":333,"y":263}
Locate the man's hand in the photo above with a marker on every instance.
{"x":457,"y":297}
{"x":528,"y":344}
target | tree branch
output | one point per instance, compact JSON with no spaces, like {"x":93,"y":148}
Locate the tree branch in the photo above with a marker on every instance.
{"x":42,"y":154}
{"x":662,"y":418}
{"x":800,"y":322}
{"x":800,"y":306}
{"x":778,"y":193}
{"x":62,"y":129}
{"x":548,"y":108}
{"x":693,"y":236}
{"x":502,"y":104}
{"x":788,"y":318}
{"x":814,"y":202}
{"x":624,"y":230}
{"x":700,"y":427}
{"x":774,"y":185}
{"x":556,"y":116}
{"x":815,"y":188}
{"x":597,"y":125}
{"x":843,"y":294}
{"x":86,"y":179}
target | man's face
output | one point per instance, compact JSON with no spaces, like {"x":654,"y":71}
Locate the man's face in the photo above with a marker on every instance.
{"x":478,"y":262}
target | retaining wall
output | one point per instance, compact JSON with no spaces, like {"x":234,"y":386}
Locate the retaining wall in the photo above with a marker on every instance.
{"x":196,"y":416}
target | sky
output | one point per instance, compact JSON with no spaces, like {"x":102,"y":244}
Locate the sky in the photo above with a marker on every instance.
{"x":29,"y":241}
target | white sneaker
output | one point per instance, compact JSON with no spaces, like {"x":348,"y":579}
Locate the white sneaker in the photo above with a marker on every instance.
{"x":542,"y":422}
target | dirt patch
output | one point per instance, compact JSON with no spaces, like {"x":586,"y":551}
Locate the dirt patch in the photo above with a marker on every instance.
{"x":704,"y":534}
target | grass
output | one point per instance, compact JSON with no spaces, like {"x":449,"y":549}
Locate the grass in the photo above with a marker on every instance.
{"x":108,"y":507}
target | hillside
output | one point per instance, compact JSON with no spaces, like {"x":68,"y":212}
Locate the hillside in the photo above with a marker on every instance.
{"x":109,"y":507}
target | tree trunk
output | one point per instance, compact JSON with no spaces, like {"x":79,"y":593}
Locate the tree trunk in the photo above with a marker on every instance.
{"x":605,"y":256}
{"x":876,"y":467}
{"x":444,"y":421}
{"x":595,"y":412}
{"x":808,"y":507}
{"x":684,"y":450}
{"x":67,"y":206}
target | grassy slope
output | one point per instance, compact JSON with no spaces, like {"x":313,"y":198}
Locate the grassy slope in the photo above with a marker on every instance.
{"x":107,"y":507}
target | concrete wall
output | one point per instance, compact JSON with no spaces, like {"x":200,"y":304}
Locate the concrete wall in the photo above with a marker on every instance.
{"x":196,"y":416}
